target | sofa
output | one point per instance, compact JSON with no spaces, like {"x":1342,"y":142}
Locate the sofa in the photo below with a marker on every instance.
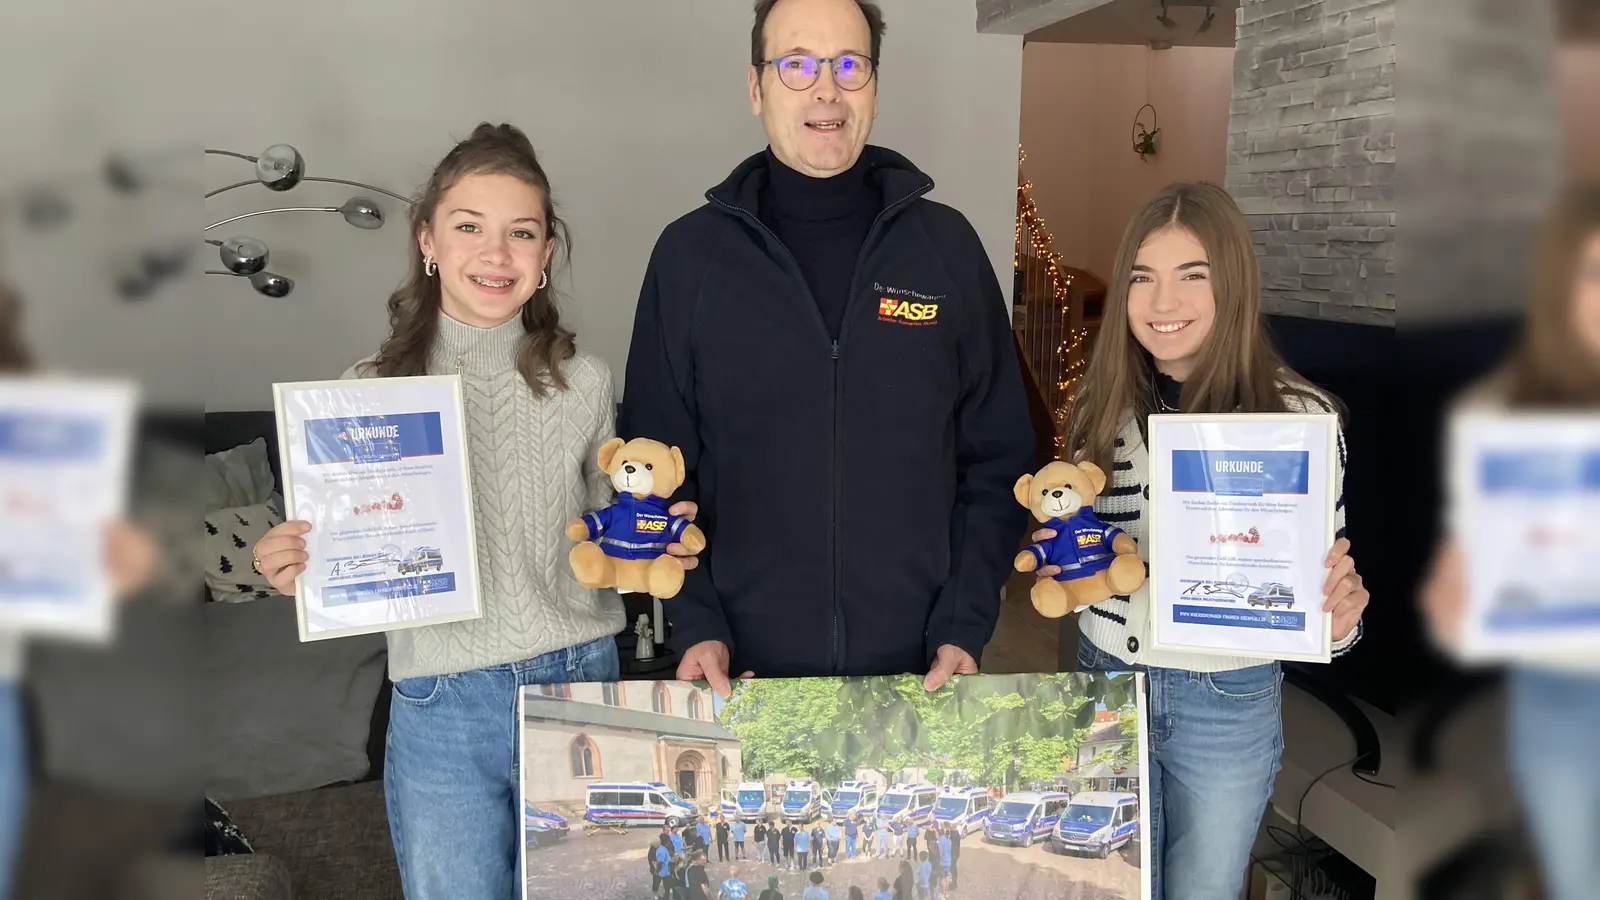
{"x":295,"y":757}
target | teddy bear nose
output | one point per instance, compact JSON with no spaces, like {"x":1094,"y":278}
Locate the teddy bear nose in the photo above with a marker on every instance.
{"x":1056,"y":494}
{"x":629,"y":469}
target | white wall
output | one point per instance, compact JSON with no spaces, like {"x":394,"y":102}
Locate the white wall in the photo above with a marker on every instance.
{"x":378,"y":90}
{"x":1079,"y":102}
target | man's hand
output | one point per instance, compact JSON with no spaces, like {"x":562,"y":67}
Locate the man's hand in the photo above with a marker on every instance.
{"x":708,"y":660}
{"x":688,"y":509}
{"x":949,"y":660}
{"x":1039,"y":537}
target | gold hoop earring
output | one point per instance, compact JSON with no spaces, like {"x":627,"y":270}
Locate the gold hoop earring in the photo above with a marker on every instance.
{"x":544,"y":280}
{"x":428,"y":268}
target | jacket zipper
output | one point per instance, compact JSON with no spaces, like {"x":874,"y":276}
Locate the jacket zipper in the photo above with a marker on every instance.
{"x":835,"y":660}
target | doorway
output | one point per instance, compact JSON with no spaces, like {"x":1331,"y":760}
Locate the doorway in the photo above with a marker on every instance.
{"x":686,"y":784}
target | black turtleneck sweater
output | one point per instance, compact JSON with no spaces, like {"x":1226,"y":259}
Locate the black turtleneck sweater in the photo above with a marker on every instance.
{"x":1170,"y":390}
{"x":823,"y":222}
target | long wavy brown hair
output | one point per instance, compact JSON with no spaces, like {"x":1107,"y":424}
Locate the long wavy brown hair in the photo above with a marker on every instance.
{"x":1238,"y":369}
{"x":1551,"y":366}
{"x":414,"y":306}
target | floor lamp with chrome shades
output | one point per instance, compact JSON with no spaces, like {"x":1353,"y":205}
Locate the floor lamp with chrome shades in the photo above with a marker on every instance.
{"x":281,"y":168}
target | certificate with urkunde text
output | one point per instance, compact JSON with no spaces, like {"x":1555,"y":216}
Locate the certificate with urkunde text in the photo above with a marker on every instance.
{"x":1241,"y":521}
{"x":379,"y":468}
{"x":1525,"y":512}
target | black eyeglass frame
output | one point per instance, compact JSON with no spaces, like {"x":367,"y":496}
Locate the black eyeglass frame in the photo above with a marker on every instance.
{"x":833,"y":69}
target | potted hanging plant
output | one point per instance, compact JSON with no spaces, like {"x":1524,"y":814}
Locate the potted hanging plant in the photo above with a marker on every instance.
{"x":1144,"y":139}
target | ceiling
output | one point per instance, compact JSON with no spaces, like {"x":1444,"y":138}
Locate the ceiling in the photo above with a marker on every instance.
{"x":1134,"y":22}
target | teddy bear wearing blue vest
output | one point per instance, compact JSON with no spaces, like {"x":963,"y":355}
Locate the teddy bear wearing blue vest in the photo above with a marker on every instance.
{"x":1098,"y":561}
{"x":625,"y":544}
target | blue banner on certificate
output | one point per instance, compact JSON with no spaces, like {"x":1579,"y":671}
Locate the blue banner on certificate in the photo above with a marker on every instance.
{"x":379,"y":468}
{"x":1525,"y":500}
{"x":1241,"y":520}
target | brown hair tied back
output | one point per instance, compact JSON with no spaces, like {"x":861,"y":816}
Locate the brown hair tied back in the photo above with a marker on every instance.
{"x":414,"y":306}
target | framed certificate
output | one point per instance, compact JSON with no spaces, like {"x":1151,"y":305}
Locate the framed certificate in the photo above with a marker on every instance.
{"x":1241,"y":521}
{"x":1525,"y":497}
{"x":379,"y":468}
{"x":65,"y":449}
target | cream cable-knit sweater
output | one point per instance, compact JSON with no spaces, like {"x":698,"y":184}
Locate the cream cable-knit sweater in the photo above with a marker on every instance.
{"x":1121,"y":626}
{"x":534,"y":468}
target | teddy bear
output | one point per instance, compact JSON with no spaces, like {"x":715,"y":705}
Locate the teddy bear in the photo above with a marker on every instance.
{"x":625,"y":544}
{"x":1097,"y":561}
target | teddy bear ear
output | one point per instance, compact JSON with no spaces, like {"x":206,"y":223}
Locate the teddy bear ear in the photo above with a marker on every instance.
{"x":1023,"y":490}
{"x":678,"y":466}
{"x":608,"y":452}
{"x":1097,"y":476}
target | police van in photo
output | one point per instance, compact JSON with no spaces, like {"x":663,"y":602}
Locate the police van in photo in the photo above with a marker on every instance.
{"x":967,"y":808}
{"x":1097,"y":822}
{"x":637,"y":803}
{"x":804,"y":801}
{"x":1023,"y":817}
{"x":751,"y":800}
{"x":854,"y":798}
{"x":907,"y":803}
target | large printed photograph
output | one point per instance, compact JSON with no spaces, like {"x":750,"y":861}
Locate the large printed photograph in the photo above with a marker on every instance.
{"x":1014,"y":786}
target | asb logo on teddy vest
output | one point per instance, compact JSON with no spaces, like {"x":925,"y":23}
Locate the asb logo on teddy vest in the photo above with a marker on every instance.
{"x":903,"y":306}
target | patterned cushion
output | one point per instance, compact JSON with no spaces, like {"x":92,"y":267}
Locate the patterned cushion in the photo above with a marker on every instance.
{"x":230,"y":535}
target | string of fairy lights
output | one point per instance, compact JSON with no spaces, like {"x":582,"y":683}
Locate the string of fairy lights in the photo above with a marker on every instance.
{"x":1059,"y":368}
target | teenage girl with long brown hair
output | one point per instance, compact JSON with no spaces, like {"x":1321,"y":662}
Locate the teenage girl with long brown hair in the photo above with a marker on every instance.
{"x":478,"y":300}
{"x":1183,"y":333}
{"x":1553,"y":725}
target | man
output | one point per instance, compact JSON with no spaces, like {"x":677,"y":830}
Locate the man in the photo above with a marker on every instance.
{"x":698,"y":883}
{"x":802,"y":848}
{"x":738,"y":838}
{"x":943,"y":846}
{"x":733,"y":888}
{"x":723,"y":832}
{"x":774,"y":839}
{"x":831,"y":352}
{"x":955,"y":857}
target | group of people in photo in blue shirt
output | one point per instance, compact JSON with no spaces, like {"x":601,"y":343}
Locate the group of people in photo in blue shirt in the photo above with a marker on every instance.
{"x":679,"y":857}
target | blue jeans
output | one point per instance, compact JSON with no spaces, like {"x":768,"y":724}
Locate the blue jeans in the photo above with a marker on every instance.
{"x":13,"y":782}
{"x":1216,"y":742}
{"x":451,"y":769}
{"x":1553,"y":730}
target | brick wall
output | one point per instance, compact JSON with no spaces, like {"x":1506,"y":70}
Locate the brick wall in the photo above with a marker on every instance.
{"x":1311,"y":154}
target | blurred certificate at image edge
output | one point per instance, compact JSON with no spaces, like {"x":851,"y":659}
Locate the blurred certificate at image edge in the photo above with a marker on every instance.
{"x":65,"y":453}
{"x":1525,"y":510}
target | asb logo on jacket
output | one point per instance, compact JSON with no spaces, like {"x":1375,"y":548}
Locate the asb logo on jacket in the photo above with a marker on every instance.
{"x":904,"y":312}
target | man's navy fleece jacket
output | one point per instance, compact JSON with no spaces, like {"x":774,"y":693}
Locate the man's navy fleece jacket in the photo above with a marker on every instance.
{"x":856,"y":494}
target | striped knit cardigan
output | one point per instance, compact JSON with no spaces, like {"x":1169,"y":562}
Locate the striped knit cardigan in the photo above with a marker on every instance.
{"x":1121,"y":626}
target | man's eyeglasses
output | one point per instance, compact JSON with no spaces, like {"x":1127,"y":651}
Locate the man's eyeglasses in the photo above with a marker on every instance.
{"x":799,"y":72}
